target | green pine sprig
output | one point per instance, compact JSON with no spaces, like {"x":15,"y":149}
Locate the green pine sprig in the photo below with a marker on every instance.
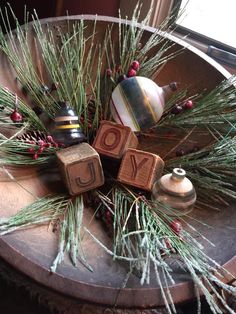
{"x":9,"y":101}
{"x":212,"y":170}
{"x":14,"y":152}
{"x":143,"y":235}
{"x":42,"y":211}
{"x":216,"y":110}
{"x":71,"y":234}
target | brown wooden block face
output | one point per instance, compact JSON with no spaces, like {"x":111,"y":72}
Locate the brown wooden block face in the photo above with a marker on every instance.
{"x":140,"y":169}
{"x":81,"y":168}
{"x":113,"y":139}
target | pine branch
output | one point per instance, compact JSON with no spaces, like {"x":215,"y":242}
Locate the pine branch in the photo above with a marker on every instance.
{"x":7,"y":100}
{"x":216,"y":110}
{"x":42,"y":211}
{"x":17,"y":153}
{"x":145,"y":235}
{"x":212,"y":170}
{"x":70,"y":234}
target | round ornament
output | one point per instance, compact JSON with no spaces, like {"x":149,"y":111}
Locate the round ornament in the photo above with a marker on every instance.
{"x":175,"y":191}
{"x":138,"y":102}
{"x":67,"y":130}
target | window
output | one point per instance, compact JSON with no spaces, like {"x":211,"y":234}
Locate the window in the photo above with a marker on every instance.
{"x":212,"y":23}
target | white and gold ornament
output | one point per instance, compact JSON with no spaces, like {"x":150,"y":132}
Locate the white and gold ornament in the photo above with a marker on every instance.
{"x":138,"y":102}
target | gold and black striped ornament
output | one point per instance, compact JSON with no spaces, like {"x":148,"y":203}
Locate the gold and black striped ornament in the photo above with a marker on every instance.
{"x":138,"y":102}
{"x":67,"y":130}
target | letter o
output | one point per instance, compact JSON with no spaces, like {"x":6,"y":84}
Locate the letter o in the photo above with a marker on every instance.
{"x":104,"y":139}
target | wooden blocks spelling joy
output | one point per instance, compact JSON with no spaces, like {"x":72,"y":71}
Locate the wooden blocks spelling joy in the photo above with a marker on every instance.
{"x":113,"y":139}
{"x":140,"y":169}
{"x":81,"y":168}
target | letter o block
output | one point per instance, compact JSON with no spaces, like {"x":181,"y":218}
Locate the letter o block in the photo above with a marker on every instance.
{"x":140,"y":169}
{"x":113,"y":139}
{"x":81,"y":168}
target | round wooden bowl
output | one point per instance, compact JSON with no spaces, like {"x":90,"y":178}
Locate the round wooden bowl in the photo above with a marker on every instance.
{"x":32,"y":251}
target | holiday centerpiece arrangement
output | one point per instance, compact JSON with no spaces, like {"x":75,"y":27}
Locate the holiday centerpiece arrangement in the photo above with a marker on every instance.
{"x":85,"y":104}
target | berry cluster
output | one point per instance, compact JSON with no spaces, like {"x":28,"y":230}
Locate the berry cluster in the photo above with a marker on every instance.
{"x":40,"y":145}
{"x":39,"y":142}
{"x":134,"y":67}
{"x":178,"y":108}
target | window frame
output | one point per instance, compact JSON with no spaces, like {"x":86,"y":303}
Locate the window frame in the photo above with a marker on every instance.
{"x":195,"y":36}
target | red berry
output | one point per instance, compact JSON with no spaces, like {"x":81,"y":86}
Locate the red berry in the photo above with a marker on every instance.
{"x":109,"y":72}
{"x":176,"y":226}
{"x":31,"y":150}
{"x":131,"y":73}
{"x":49,"y":138}
{"x":135,"y":65}
{"x":173,"y":86}
{"x":180,"y":152}
{"x":42,"y":143}
{"x":54,"y":86}
{"x":176,"y":109}
{"x":16,"y":116}
{"x":82,"y":119}
{"x":31,"y":142}
{"x":188,"y":104}
{"x":35,"y":156}
{"x":40,"y":150}
{"x":167,"y":243}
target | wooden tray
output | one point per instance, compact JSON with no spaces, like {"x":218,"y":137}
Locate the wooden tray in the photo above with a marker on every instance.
{"x":32,"y":251}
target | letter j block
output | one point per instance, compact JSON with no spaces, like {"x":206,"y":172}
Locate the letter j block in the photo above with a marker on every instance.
{"x":113,"y":139}
{"x":140,"y":169}
{"x":81,"y":168}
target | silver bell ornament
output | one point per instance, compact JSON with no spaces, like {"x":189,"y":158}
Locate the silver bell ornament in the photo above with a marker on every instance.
{"x":176,"y":191}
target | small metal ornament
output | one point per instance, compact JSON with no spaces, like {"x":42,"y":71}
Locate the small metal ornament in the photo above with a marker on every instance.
{"x":67,"y":130}
{"x":176,"y":191}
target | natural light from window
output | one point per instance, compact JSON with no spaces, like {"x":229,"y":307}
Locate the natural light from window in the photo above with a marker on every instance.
{"x":212,"y":18}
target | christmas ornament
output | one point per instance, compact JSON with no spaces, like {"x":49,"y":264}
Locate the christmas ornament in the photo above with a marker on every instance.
{"x":175,"y":191}
{"x":138,"y":102}
{"x":67,"y":129}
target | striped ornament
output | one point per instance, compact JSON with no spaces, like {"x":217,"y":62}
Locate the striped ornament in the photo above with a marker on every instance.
{"x":67,"y":130}
{"x":137,"y":102}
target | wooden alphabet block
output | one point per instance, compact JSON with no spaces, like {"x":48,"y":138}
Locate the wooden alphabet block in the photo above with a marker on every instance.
{"x":81,"y":168}
{"x":113,"y":139}
{"x":140,"y":169}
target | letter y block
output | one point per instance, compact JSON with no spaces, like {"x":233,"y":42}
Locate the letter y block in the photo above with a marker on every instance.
{"x":81,"y":168}
{"x":140,"y":169}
